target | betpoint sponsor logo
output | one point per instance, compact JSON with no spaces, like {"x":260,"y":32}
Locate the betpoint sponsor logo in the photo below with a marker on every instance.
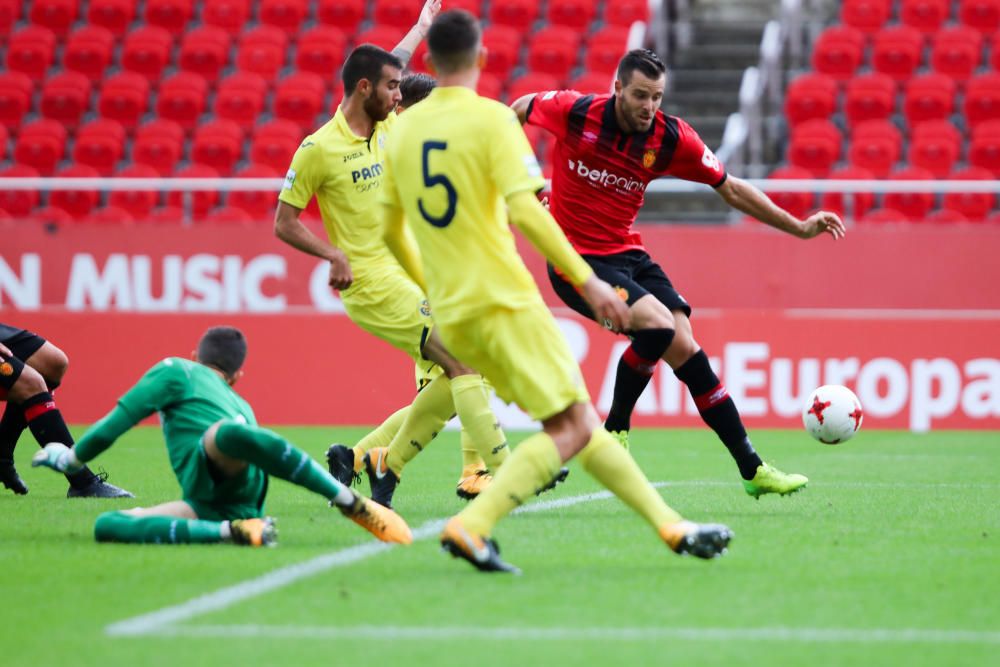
{"x":606,"y":178}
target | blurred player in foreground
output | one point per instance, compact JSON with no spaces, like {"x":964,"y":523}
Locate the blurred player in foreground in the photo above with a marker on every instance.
{"x":220,"y":456}
{"x":455,"y":161}
{"x":608,"y":149}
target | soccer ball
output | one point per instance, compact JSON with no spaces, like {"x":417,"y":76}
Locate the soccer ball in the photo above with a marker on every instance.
{"x":832,"y":414}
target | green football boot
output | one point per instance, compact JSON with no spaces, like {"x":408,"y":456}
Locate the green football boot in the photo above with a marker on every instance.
{"x":771,"y":480}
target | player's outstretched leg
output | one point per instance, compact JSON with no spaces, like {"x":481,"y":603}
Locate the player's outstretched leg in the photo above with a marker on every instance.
{"x":131,"y":529}
{"x":635,"y":369}
{"x":278,"y":457}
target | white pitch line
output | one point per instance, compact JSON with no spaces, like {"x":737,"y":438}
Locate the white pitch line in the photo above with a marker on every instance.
{"x":223,"y":598}
{"x":437,"y":633}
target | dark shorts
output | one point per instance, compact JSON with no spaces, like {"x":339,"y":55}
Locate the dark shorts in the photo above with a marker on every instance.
{"x":21,"y":342}
{"x":633,"y":273}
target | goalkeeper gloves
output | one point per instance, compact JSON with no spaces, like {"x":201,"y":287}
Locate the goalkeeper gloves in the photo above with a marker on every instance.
{"x":57,"y":456}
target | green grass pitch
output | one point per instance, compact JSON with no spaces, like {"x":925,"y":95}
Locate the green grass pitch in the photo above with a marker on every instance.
{"x":891,"y":556}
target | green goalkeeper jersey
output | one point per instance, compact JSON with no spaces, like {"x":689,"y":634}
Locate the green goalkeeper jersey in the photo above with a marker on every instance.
{"x":189,"y":398}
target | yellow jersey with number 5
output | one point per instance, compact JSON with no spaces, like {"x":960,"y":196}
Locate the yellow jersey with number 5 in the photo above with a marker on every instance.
{"x":452,"y":161}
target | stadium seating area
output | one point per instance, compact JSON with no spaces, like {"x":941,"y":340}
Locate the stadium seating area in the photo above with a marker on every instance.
{"x":902,"y":89}
{"x":139,"y":88}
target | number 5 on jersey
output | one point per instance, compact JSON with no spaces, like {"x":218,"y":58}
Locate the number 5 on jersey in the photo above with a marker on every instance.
{"x":434,"y":180}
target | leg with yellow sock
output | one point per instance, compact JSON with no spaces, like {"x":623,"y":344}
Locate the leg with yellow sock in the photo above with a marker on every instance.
{"x":484,"y":444}
{"x":345,"y":463}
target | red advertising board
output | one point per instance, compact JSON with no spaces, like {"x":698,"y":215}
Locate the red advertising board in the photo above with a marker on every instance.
{"x":908,"y":318}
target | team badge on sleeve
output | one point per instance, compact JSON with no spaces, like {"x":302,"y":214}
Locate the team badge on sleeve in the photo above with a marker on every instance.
{"x":289,"y":179}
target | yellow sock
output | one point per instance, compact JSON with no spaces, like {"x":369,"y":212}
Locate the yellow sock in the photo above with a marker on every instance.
{"x":471,"y":460}
{"x":380,"y":437}
{"x":532,"y":465}
{"x":612,"y":465}
{"x":472,"y":403}
{"x":428,"y":413}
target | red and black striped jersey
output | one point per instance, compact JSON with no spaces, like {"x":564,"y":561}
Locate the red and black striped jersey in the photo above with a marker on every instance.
{"x":600,"y":173}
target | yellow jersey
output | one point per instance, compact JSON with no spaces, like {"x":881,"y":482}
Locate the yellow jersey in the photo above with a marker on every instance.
{"x":345,"y":172}
{"x":453,"y":160}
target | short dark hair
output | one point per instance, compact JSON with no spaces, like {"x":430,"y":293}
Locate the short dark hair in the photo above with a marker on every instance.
{"x":366,"y":62}
{"x":644,"y":60}
{"x":415,"y":87}
{"x":453,"y":40}
{"x":224,"y":348}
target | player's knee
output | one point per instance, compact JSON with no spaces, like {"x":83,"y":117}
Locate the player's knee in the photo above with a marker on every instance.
{"x":57,"y":363}
{"x":29,"y":382}
{"x":652,"y":343}
{"x":683,"y":347}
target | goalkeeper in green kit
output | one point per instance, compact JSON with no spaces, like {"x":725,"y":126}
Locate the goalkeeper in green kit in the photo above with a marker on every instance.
{"x":221,"y":458}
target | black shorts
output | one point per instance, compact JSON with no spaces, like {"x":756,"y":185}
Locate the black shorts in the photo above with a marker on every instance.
{"x":633,"y":273}
{"x":21,"y":342}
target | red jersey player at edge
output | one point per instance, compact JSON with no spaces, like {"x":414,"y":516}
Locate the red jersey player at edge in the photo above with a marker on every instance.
{"x":608,"y":149}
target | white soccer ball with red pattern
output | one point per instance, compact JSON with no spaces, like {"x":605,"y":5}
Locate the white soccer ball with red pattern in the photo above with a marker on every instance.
{"x":832,"y":414}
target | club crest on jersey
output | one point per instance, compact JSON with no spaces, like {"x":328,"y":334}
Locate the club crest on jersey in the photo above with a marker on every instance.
{"x":6,"y":369}
{"x":425,"y":308}
{"x":648,"y":158}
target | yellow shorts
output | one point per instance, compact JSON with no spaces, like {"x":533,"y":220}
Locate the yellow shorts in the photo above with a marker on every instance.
{"x":393,"y":308}
{"x":524,"y":356}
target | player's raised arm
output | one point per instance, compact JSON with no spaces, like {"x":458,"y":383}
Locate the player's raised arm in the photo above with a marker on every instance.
{"x":520,"y":106}
{"x":404,"y":50}
{"x":747,"y":198}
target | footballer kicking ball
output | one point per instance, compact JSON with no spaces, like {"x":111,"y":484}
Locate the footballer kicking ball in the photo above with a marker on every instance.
{"x":832,"y":414}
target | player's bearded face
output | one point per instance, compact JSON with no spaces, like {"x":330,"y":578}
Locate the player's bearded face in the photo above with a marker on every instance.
{"x":385,"y":95}
{"x":639,"y":101}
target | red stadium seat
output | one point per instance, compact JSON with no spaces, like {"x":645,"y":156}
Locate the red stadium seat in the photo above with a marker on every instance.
{"x":299,"y":98}
{"x":386,"y":36}
{"x":41,"y":144}
{"x":576,"y":14}
{"x":78,"y":203}
{"x":982,"y":99}
{"x":205,"y":51}
{"x":399,"y":13}
{"x":89,"y":50}
{"x":345,"y":15}
{"x":983,"y":15}
{"x":240,"y":96}
{"x":897,"y":52}
{"x":170,"y":14}
{"x":4,"y":136}
{"x":984,"y":151}
{"x":975,"y":206}
{"x":490,"y":86}
{"x":147,"y":51}
{"x":474,"y":7}
{"x":799,"y":204}
{"x":626,"y":12}
{"x":138,"y":203}
{"x":935,"y":153}
{"x":56,"y":15}
{"x":995,"y":52}
{"x":929,"y":97}
{"x":815,"y":146}
{"x":810,"y":96}
{"x":605,"y":48}
{"x":592,"y":82}
{"x":228,"y":215}
{"x":531,"y":83}
{"x":927,"y":16}
{"x":15,"y":97}
{"x":218,"y":145}
{"x":274,"y":144}
{"x":417,"y":61}
{"x":50,"y":216}
{"x":937,"y":128}
{"x":518,"y":14}
{"x":914,"y":205}
{"x":553,"y":51}
{"x":100,"y":144}
{"x":31,"y":50}
{"x":258,"y":205}
{"x":869,"y":96}
{"x":65,"y":98}
{"x":182,"y":99}
{"x":956,"y":52}
{"x":109,"y":215}
{"x":838,"y":52}
{"x":262,"y":51}
{"x":876,"y":146}
{"x":947,"y":216}
{"x":115,"y":15}
{"x":284,"y":14}
{"x":867,"y":16}
{"x":321,"y":51}
{"x":230,"y":15}
{"x":166,"y":215}
{"x":159,"y":144}
{"x":838,"y":202}
{"x":504,"y":46}
{"x":10,"y":12}
{"x":199,"y":202}
{"x":883,"y":215}
{"x":18,"y":203}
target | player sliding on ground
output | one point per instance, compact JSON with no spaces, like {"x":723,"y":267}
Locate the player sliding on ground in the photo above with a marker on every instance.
{"x":608,"y":149}
{"x":220,"y":456}
{"x":455,"y":161}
